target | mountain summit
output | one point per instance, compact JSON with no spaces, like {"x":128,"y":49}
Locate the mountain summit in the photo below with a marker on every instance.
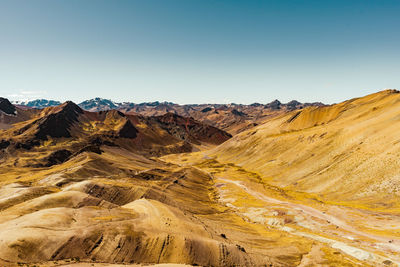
{"x":59,"y":121}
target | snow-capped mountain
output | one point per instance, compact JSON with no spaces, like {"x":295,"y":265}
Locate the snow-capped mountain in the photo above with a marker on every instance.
{"x":38,"y":103}
{"x":98,"y":104}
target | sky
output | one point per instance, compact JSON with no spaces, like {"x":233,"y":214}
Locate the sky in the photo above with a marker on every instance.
{"x":198,"y":51}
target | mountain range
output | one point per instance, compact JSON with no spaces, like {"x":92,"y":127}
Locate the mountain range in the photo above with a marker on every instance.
{"x":223,"y":116}
{"x":99,"y":104}
{"x":203,"y":185}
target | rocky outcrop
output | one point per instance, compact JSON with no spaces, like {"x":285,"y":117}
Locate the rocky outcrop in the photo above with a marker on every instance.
{"x":7,"y":107}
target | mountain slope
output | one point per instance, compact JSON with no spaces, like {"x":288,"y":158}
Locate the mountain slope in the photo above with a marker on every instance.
{"x":6,"y":107}
{"x":329,"y":174}
{"x":190,"y":130}
{"x":10,"y":114}
{"x":347,"y":151}
{"x":67,"y":130}
{"x":122,"y":208}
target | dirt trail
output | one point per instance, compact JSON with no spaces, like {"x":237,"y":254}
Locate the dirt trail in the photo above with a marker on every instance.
{"x":330,"y":219}
{"x":314,"y":213}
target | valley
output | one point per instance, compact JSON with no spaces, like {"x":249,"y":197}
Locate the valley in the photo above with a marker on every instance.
{"x":315,"y":185}
{"x":325,"y":223}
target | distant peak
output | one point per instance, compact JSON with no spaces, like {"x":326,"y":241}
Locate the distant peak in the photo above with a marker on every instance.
{"x":39,"y":103}
{"x":99,"y":104}
{"x":293,"y":103}
{"x":276,"y":104}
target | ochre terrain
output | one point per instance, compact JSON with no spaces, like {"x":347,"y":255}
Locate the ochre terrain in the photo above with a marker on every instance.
{"x":315,"y":186}
{"x":348,"y":152}
{"x":334,"y":168}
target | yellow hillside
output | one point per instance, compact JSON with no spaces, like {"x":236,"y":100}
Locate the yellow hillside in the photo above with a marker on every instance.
{"x":343,"y":152}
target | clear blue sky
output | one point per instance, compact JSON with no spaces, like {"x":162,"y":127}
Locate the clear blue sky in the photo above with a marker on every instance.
{"x":196,"y":51}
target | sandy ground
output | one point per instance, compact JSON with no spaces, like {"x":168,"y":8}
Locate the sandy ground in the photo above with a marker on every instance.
{"x":311,"y":213}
